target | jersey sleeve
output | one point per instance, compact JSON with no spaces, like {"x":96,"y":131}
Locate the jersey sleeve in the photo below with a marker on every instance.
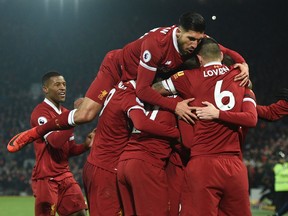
{"x":187,"y":132}
{"x":149,"y":60}
{"x":273,"y":112}
{"x":247,"y":117}
{"x":40,"y":116}
{"x":177,"y":83}
{"x":233,"y":54}
{"x":143,"y":123}
{"x":137,"y":113}
{"x":76,"y":149}
{"x":58,"y":138}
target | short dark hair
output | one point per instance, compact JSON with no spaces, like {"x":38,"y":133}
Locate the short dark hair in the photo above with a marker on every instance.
{"x":209,"y":48}
{"x":192,"y":21}
{"x":48,"y":75}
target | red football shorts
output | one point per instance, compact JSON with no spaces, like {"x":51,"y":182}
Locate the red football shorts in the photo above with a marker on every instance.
{"x":108,"y":75}
{"x":143,"y":188}
{"x":101,"y":191}
{"x":64,"y":197}
{"x":215,"y":185}
{"x":175,"y":176}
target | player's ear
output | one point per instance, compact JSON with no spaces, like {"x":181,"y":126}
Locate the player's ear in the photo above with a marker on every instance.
{"x":222,"y":56}
{"x":200,"y":59}
{"x":45,"y":89}
{"x":178,"y":32}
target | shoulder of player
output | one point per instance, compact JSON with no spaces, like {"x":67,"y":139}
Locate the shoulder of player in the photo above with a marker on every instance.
{"x":161,"y":37}
{"x":130,"y":100}
{"x":232,"y":69}
{"x":43,"y":110}
{"x":184,"y":73}
{"x":39,"y":108}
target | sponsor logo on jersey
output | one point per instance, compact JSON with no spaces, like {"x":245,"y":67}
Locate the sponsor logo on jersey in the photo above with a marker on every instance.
{"x":168,"y":62}
{"x":42,"y":120}
{"x":179,"y":74}
{"x":102,"y":95}
{"x":146,"y":56}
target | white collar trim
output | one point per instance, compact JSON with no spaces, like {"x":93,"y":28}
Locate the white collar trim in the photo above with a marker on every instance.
{"x":47,"y":101}
{"x":213,"y":63}
{"x":174,"y":38}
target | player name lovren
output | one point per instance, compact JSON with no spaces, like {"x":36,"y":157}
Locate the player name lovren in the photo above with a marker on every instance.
{"x":216,"y":71}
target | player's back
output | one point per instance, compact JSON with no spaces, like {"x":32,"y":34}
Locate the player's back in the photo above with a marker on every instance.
{"x":216,"y":85}
{"x":146,"y":146}
{"x":113,"y":130}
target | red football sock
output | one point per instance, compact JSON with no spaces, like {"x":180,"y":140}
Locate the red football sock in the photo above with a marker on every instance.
{"x":58,"y":123}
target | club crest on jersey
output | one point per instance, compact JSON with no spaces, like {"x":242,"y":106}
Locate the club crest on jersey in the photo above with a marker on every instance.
{"x":102,"y":95}
{"x":146,"y":56}
{"x":53,"y":209}
{"x":42,"y":120}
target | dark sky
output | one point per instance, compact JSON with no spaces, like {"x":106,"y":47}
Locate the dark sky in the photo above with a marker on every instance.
{"x":72,"y":36}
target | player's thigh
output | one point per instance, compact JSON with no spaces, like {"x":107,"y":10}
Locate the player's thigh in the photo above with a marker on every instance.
{"x":149,"y":186}
{"x":108,"y":75}
{"x":201,"y":192}
{"x":175,"y":176}
{"x":101,"y":190}
{"x":46,"y":196}
{"x":125,"y":189}
{"x":71,"y":198}
{"x":236,"y":191}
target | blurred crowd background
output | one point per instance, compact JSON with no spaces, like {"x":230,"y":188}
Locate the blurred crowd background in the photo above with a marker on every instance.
{"x":73,"y":36}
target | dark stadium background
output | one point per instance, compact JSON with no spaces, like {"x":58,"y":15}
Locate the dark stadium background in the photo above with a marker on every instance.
{"x":73,"y":36}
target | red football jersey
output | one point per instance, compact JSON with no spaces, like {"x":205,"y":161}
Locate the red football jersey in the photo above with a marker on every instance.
{"x":156,"y":51}
{"x":213,"y":83}
{"x":274,"y":111}
{"x":51,"y":161}
{"x":113,"y":130}
{"x":148,"y":146}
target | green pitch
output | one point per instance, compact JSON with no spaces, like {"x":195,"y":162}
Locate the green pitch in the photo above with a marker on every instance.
{"x":16,"y":205}
{"x":24,"y":206}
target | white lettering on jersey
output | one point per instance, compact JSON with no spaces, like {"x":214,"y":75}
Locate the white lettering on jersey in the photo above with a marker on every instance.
{"x":139,"y":102}
{"x":216,"y":71}
{"x":146,"y":56}
{"x":165,"y":30}
{"x":219,"y":95}
{"x":153,"y":30}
